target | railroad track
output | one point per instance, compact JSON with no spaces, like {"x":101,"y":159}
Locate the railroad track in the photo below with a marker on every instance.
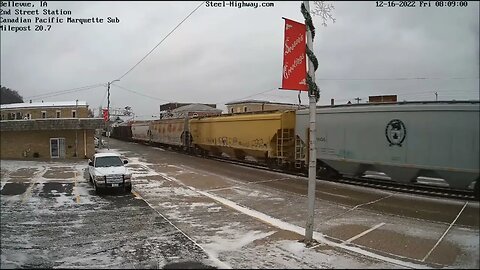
{"x":418,"y":188}
{"x":422,"y":189}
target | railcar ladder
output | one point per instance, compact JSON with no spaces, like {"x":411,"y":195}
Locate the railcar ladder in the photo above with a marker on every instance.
{"x":299,"y":152}
{"x":284,"y":136}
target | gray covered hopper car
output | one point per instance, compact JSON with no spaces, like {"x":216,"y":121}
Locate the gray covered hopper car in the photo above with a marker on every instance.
{"x":402,"y":140}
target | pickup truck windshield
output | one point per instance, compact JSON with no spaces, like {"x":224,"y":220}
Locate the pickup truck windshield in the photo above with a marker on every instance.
{"x":108,"y":162}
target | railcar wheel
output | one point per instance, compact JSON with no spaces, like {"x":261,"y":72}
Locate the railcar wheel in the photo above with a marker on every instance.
{"x":239,"y":154}
{"x":328,"y":172}
{"x":272,"y":163}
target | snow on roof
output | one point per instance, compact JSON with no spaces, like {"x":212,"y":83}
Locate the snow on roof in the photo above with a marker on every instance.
{"x":256,"y":101}
{"x":145,"y":117}
{"x":247,"y":101}
{"x":195,"y":107}
{"x":43,"y":104}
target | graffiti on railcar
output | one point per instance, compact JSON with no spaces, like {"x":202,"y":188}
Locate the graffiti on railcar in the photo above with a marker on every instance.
{"x":258,"y":143}
{"x":234,"y":141}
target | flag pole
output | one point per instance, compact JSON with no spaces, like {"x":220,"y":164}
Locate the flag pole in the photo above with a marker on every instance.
{"x":312,"y":161}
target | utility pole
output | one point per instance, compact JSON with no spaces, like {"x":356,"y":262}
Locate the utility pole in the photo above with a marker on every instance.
{"x":358,"y":100}
{"x":436,"y":96}
{"x":76,"y":130}
{"x":312,"y":161}
{"x":108,"y":111}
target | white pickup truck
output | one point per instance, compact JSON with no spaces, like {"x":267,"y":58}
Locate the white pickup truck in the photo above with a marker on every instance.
{"x":107,"y":170}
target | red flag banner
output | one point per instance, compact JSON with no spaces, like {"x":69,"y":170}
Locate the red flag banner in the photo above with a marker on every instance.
{"x":294,"y":57}
{"x":105,"y":115}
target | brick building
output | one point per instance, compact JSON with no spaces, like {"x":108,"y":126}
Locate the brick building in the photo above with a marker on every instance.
{"x":47,"y":130}
{"x":382,"y":99}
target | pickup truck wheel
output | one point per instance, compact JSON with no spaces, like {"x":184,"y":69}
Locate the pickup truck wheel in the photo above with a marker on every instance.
{"x":98,"y":190}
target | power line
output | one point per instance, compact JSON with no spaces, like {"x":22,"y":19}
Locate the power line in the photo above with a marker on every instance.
{"x":70,"y":92}
{"x":253,"y":95}
{"x":395,"y":79}
{"x":401,"y":93}
{"x":414,"y":94}
{"x":67,"y":91}
{"x":138,"y":93}
{"x":161,"y":41}
{"x":433,"y":91}
{"x":451,"y":94}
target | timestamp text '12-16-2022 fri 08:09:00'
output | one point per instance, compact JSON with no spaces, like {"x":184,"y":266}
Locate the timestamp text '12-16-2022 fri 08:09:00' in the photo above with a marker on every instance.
{"x":420,"y":4}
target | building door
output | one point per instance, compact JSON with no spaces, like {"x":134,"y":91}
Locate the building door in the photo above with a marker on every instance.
{"x":61,"y":144}
{"x":57,"y":147}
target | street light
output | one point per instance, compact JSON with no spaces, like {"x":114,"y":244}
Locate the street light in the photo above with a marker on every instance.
{"x":108,"y":112}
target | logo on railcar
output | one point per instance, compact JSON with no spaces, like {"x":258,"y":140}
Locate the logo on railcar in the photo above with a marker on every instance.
{"x":395,"y":132}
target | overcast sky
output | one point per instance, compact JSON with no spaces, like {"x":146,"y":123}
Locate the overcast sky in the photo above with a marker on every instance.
{"x":225,"y":54}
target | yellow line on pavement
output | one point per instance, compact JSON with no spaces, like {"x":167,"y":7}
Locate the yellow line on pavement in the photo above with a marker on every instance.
{"x":136,"y":194}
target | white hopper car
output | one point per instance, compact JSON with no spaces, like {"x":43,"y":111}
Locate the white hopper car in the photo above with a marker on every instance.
{"x":404,"y":140}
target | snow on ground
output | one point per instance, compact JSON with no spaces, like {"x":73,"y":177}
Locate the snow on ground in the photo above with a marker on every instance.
{"x":174,"y":200}
{"x":299,"y":230}
{"x":57,"y":205}
{"x":220,"y":244}
{"x":215,"y":242}
{"x":231,"y":238}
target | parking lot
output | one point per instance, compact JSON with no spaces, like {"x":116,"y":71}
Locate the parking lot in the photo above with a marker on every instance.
{"x":52,"y":218}
{"x":183,"y":209}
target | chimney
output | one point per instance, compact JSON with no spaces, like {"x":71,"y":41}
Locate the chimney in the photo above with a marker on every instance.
{"x":332,"y":102}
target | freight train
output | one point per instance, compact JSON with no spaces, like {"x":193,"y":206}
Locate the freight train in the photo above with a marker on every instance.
{"x":402,"y":141}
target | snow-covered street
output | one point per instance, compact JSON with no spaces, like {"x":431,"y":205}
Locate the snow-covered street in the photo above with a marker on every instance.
{"x":181,"y":212}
